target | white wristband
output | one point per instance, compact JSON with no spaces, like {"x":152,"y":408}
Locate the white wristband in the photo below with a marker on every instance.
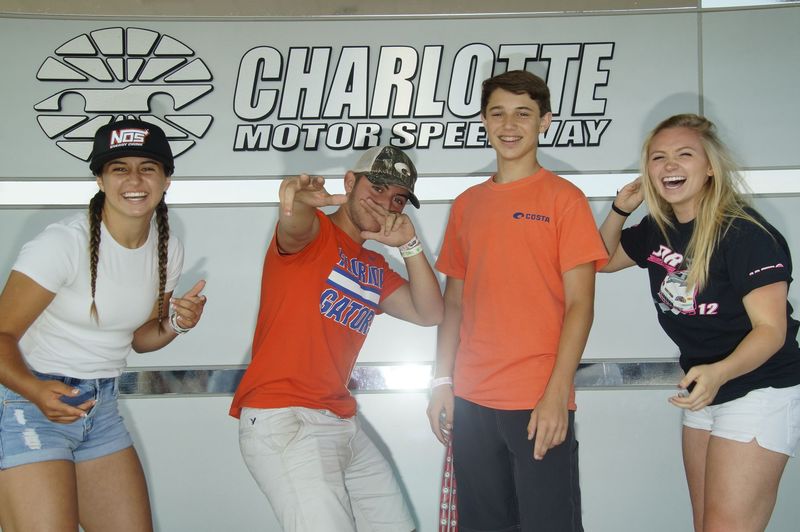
{"x":411,"y":248}
{"x":441,"y":381}
{"x":173,"y":322}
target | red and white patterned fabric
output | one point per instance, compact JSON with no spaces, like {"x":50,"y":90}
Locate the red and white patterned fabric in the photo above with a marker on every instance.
{"x":448,"y":513}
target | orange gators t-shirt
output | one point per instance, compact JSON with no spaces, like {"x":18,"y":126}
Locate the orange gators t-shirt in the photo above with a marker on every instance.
{"x":510,"y":244}
{"x":317,"y":307}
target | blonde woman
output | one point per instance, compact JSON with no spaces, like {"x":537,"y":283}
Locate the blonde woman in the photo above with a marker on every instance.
{"x":81,"y":295}
{"x":719,"y":276}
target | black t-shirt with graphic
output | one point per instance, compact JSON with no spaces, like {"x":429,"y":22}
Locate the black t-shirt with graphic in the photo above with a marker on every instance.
{"x":707,"y":326}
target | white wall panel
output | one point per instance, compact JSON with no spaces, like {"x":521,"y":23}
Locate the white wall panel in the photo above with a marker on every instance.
{"x":631,"y":469}
{"x":751,"y":71}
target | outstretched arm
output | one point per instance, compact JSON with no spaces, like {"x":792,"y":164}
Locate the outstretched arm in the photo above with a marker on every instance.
{"x":628,"y":200}
{"x":300,"y":196}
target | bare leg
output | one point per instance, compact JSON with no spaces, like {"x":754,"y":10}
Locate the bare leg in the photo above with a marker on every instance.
{"x":695,"y":448}
{"x":54,"y":507}
{"x":741,"y":485}
{"x":112,"y":494}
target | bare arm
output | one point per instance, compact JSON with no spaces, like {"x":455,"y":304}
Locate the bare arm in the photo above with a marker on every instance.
{"x":420,"y":301}
{"x":154,"y":334}
{"x":549,"y":419}
{"x":21,"y":302}
{"x":628,"y":199}
{"x":440,"y":407}
{"x":766,"y":308}
{"x":300,"y":196}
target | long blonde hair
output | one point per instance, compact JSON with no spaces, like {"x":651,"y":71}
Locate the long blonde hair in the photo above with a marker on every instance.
{"x":721,"y":201}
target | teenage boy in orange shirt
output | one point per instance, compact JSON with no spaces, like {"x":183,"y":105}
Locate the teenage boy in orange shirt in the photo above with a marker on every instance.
{"x":520,"y":254}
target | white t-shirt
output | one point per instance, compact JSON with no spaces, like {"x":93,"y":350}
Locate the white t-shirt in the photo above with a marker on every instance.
{"x":65,"y":339}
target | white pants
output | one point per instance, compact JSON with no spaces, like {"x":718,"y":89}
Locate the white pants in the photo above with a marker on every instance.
{"x":321,"y":472}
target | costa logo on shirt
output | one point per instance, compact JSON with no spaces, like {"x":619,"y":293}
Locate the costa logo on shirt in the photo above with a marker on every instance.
{"x":531,"y":216}
{"x":128,"y":137}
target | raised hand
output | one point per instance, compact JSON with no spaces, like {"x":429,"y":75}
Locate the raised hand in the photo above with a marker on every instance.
{"x":630,"y":196}
{"x":306,"y":190}
{"x":189,"y":307}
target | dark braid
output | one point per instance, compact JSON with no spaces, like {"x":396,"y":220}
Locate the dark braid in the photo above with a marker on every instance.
{"x":162,"y":220}
{"x":95,"y":217}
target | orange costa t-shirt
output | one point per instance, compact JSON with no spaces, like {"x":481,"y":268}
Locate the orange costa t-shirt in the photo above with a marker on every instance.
{"x":317,"y":307}
{"x":510,"y":244}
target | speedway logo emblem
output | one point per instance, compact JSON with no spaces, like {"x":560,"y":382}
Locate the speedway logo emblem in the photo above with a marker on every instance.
{"x":115,"y":73}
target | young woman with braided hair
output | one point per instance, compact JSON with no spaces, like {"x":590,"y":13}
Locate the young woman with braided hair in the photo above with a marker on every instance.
{"x":81,"y":295}
{"x":719,"y":278}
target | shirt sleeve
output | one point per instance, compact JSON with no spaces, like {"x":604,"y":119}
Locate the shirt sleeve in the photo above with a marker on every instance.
{"x":579,"y":241}
{"x":51,"y":259}
{"x":451,"y":261}
{"x":326,"y":232}
{"x":755,"y":257}
{"x":634,"y":241}
{"x":174,"y":263}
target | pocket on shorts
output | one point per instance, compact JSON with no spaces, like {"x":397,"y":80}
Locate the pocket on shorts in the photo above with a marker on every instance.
{"x":17,"y":407}
{"x":19,"y":419}
{"x":274,"y":429}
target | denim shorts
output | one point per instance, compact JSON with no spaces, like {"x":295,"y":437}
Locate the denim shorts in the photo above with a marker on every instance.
{"x":27,"y":436}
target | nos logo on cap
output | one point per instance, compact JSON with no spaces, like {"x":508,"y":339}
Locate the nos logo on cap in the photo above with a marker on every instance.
{"x":128,"y":137}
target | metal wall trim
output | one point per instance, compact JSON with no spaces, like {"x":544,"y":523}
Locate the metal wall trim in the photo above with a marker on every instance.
{"x":389,"y":378}
{"x":243,"y":191}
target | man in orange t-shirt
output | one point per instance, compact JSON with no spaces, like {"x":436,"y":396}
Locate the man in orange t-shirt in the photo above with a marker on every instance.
{"x":320,"y":291}
{"x":520,"y":254}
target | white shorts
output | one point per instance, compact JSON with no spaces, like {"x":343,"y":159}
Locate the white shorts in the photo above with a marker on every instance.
{"x":321,"y":472}
{"x":771,"y":416}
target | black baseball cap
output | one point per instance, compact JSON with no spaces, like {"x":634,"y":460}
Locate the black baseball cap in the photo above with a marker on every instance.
{"x":130,"y":138}
{"x":387,"y":165}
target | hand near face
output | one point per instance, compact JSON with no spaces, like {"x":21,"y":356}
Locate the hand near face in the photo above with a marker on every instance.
{"x":306,"y":190}
{"x":396,"y":228}
{"x":630,"y":196}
